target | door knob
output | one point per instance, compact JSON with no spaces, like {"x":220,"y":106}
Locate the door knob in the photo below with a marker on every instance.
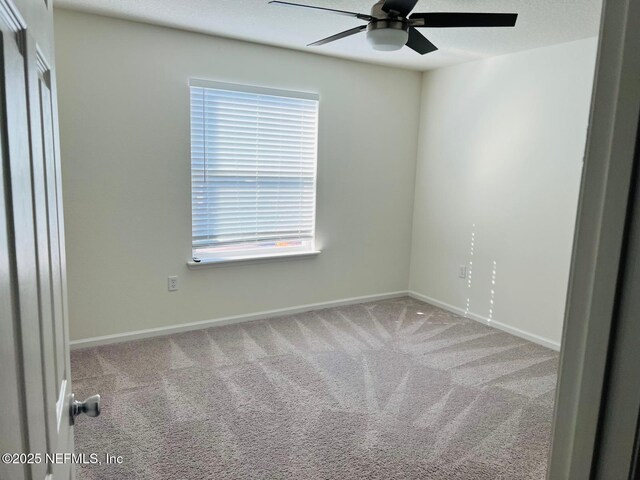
{"x":90,"y":407}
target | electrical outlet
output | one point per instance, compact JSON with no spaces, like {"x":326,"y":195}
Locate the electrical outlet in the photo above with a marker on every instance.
{"x":462,"y":271}
{"x":173,"y":283}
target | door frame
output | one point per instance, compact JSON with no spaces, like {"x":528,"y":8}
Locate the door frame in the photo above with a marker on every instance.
{"x":593,"y":299}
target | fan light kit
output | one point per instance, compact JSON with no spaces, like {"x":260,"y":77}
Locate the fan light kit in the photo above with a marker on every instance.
{"x":387,"y":35}
{"x":391,"y":25}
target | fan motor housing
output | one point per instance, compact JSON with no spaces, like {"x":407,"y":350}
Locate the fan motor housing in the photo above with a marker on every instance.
{"x":392,"y":23}
{"x":378,"y":11}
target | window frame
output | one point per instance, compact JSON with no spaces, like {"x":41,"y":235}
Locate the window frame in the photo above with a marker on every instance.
{"x":259,"y":254}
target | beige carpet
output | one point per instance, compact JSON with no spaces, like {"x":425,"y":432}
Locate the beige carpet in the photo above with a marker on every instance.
{"x":395,"y":389}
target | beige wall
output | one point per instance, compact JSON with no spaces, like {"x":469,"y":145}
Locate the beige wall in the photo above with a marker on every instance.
{"x":499,"y":147}
{"x":124,"y":119}
{"x":500,"y":155}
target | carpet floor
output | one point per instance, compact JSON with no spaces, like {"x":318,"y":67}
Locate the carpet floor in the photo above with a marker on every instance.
{"x":395,"y":389}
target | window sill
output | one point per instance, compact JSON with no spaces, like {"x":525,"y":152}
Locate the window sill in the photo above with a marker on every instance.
{"x":250,"y":259}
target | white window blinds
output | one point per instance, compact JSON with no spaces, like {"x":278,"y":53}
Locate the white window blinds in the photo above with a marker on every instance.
{"x":253,"y":167}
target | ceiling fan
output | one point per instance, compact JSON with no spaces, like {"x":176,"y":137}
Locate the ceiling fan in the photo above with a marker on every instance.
{"x":391,"y":26}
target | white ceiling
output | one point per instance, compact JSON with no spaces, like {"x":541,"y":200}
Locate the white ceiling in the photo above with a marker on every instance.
{"x":540,"y":23}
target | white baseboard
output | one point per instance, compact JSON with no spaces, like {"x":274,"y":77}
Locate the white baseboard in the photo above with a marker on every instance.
{"x":545,"y":342}
{"x":185,"y":327}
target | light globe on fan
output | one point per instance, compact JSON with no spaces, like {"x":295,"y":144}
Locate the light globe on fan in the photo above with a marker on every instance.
{"x":387,"y":39}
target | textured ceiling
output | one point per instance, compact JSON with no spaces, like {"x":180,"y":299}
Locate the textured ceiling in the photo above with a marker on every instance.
{"x":540,"y":23}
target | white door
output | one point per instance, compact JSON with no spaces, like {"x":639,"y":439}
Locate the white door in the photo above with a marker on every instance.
{"x":35,"y":389}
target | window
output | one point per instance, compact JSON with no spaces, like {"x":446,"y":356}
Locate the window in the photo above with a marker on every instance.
{"x":253,"y":171}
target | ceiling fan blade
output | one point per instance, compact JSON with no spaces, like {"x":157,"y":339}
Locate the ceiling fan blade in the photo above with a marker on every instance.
{"x":403,"y":7}
{"x":419,"y":42}
{"x":459,"y":19}
{"x":338,"y":36}
{"x":361,"y":16}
